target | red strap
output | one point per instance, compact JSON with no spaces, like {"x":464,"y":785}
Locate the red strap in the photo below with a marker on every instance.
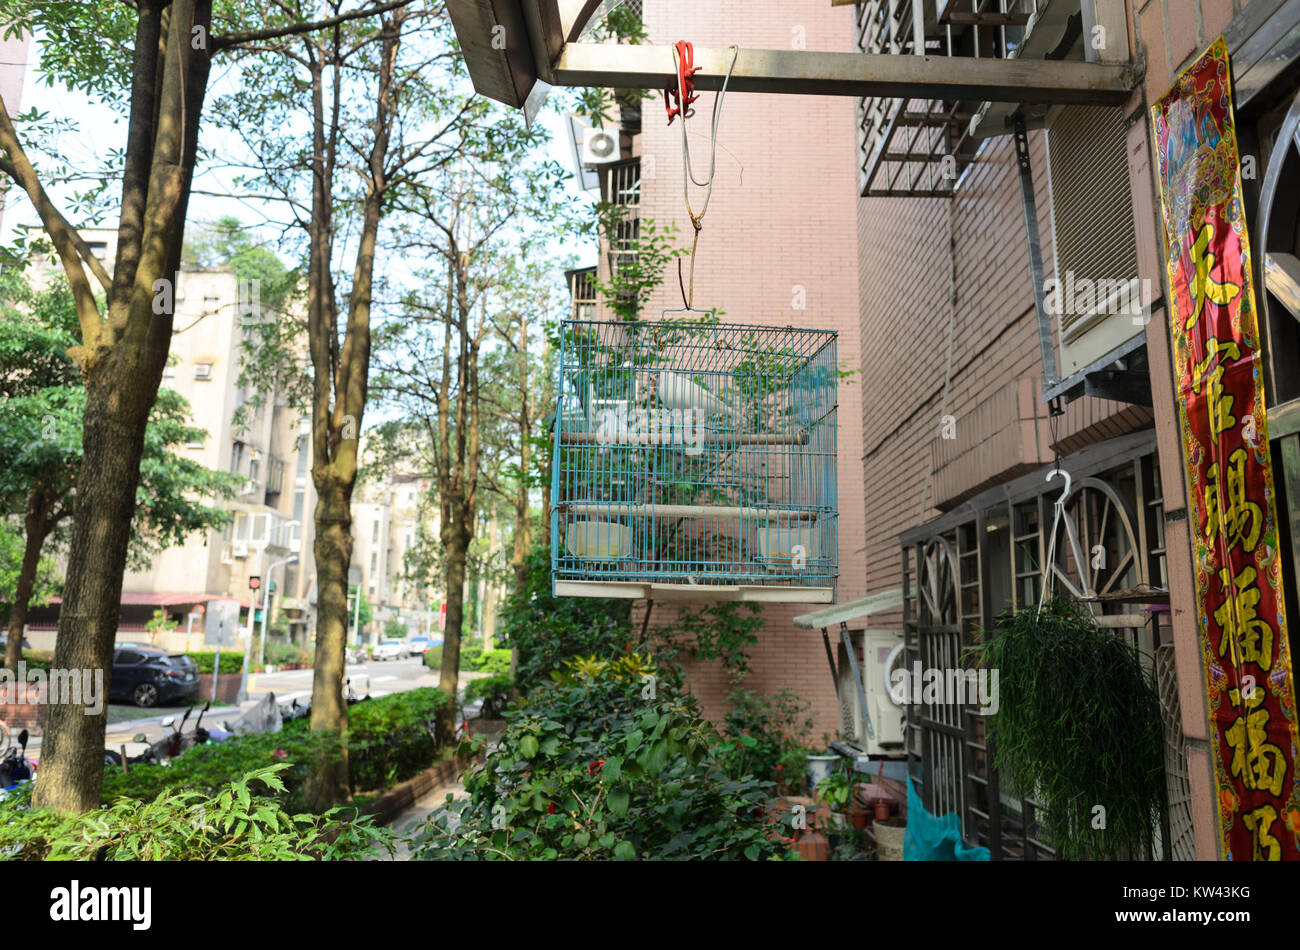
{"x":686,"y":86}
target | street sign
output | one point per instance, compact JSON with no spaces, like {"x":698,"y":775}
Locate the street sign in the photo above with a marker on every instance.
{"x":221,"y":621}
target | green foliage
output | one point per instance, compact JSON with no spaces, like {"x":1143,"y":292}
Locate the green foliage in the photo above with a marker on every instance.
{"x":722,"y":631}
{"x":40,"y":443}
{"x":395,"y":629}
{"x":492,"y":661}
{"x":233,"y":824}
{"x":588,"y":769}
{"x":389,"y":739}
{"x":649,"y":253}
{"x":495,"y":691}
{"x":1078,"y":725}
{"x":232,"y":661}
{"x":388,"y":742}
{"x":365,"y":615}
{"x":836,"y":788}
{"x":48,"y":579}
{"x":282,"y":654}
{"x":160,"y":622}
{"x":433,"y":657}
{"x":768,"y":736}
{"x":548,"y":630}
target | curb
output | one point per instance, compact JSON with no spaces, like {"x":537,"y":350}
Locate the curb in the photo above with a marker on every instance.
{"x":401,"y":797}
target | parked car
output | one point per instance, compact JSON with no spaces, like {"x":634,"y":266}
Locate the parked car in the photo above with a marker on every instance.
{"x":419,"y":645}
{"x":148,"y":676}
{"x":390,"y":649}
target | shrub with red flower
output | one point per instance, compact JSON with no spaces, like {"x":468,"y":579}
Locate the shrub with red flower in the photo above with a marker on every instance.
{"x":595,"y":767}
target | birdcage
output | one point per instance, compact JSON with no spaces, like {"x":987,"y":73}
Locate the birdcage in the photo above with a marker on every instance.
{"x":694,"y":460}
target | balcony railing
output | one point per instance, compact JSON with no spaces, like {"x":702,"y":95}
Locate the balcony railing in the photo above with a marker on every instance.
{"x":921,"y":147}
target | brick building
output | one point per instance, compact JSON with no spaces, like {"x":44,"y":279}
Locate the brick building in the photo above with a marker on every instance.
{"x":1013,"y":317}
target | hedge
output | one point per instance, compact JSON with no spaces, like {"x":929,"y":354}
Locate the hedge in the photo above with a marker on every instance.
{"x":388,"y":742}
{"x":232,"y":661}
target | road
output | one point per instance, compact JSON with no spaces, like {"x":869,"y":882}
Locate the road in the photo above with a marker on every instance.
{"x":376,"y":679}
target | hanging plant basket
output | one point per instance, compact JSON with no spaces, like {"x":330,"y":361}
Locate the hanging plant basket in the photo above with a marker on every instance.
{"x":1078,"y":728}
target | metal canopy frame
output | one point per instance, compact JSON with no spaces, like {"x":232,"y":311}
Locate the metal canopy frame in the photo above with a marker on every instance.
{"x":512,"y":45}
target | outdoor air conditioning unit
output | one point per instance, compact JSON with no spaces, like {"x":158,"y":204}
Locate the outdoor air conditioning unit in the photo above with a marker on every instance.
{"x":882,"y":652}
{"x":1100,"y":303}
{"x":239,"y":549}
{"x":202,"y":370}
{"x":599,"y":146}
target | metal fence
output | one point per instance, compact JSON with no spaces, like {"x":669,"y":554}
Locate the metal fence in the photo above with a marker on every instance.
{"x":696,"y":459}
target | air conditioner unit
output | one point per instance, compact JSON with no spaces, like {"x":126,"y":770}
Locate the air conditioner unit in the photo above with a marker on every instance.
{"x":239,"y":548}
{"x":881,"y":653}
{"x":202,"y":370}
{"x":599,"y":146}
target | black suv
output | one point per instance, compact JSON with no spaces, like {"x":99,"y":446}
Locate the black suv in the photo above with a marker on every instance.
{"x":148,"y":676}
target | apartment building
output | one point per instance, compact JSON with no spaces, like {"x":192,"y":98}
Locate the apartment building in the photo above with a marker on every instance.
{"x":386,"y":525}
{"x":1015,"y":319}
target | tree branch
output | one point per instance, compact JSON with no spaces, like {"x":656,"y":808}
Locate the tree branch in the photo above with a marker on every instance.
{"x":229,"y":40}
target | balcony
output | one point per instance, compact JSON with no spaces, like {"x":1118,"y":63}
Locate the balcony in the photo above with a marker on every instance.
{"x":921,"y":147}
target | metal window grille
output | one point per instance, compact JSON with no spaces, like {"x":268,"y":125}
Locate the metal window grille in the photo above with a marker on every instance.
{"x":695,"y":460}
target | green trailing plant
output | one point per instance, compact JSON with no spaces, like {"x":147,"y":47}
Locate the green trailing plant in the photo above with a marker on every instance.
{"x":1078,"y":727}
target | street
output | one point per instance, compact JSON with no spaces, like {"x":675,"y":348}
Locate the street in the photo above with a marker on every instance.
{"x":374,"y":679}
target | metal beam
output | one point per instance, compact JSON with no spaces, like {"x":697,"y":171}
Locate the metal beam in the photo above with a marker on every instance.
{"x":498,"y":50}
{"x":803,"y":72}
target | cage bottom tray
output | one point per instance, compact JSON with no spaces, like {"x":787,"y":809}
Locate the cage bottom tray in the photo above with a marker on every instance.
{"x":640,"y":590}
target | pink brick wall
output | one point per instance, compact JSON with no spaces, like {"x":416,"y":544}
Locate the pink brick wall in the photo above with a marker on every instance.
{"x":781,"y":217}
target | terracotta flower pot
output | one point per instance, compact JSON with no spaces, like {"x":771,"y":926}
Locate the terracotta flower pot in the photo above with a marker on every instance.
{"x":814,"y":846}
{"x":881,"y":807}
{"x":860,"y":818}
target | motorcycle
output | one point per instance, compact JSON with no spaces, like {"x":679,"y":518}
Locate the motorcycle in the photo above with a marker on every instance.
{"x":159,"y":752}
{"x":16,"y":768}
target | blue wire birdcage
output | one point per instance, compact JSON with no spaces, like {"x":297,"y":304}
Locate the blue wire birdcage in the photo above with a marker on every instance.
{"x":694,"y":460}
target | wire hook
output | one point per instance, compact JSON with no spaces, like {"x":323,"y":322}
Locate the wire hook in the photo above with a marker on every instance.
{"x":1059,"y":513}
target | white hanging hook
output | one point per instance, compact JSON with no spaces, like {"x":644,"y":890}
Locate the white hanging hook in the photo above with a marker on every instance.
{"x":1058,"y":512}
{"x":1064,"y":474}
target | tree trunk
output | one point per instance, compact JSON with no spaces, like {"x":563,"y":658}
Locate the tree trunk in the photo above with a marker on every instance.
{"x":328,"y":784}
{"x":72,"y":753}
{"x":454,"y":577}
{"x":37,"y":529}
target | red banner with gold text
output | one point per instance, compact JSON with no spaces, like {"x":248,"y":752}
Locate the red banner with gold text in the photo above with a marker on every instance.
{"x":1217,"y":364}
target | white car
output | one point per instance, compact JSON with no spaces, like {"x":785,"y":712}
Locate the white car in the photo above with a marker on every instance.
{"x":390,"y":650}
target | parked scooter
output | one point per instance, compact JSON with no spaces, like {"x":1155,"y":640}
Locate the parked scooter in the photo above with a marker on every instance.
{"x":15,"y":767}
{"x":160,"y":751}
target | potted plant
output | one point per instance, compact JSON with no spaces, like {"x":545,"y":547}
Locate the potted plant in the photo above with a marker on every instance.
{"x":1077,"y":722}
{"x":836,"y":790}
{"x":819,"y":767}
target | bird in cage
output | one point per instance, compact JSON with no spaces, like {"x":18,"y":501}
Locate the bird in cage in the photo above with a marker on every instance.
{"x":674,"y":391}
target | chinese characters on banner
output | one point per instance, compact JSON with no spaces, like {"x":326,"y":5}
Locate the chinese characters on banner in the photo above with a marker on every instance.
{"x":1241,"y":609}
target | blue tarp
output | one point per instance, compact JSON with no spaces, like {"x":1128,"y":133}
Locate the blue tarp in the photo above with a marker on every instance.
{"x":935,"y":839}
